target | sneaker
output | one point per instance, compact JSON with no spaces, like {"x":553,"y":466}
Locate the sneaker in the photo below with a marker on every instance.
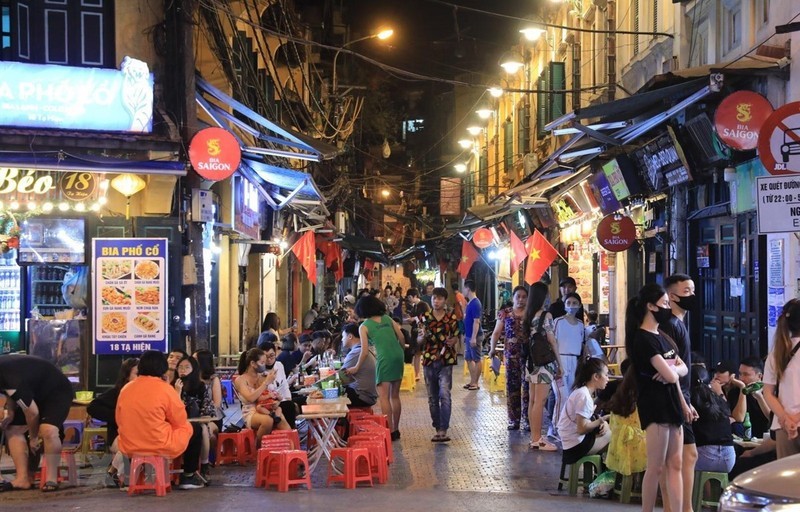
{"x":112,"y":481}
{"x":205,"y":472}
{"x":512,"y":425}
{"x":545,"y":446}
{"x":192,"y":481}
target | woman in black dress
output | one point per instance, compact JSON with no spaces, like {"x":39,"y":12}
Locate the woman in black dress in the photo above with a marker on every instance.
{"x":661,"y":405}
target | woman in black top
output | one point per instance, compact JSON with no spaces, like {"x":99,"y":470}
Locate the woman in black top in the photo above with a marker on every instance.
{"x":712,"y":430}
{"x":660,"y":404}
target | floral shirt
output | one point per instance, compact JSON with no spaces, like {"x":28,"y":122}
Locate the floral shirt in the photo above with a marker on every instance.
{"x":437,"y":332}
{"x":512,"y":325}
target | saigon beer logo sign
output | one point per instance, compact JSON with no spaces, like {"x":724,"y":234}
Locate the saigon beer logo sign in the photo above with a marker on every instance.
{"x":739,"y":118}
{"x":616,"y":233}
{"x":215,"y":154}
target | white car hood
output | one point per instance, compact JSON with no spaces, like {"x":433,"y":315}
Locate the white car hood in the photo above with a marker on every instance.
{"x":778,"y":478}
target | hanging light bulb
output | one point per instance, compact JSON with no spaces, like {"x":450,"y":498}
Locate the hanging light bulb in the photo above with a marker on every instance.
{"x":387,"y":150}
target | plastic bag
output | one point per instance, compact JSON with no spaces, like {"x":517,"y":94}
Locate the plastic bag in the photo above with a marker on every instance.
{"x":74,"y":288}
{"x":603,"y":485}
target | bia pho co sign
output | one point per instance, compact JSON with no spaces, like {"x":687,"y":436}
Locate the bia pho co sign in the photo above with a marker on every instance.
{"x":215,"y":154}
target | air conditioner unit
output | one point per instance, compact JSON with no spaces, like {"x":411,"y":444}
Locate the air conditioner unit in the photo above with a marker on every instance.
{"x":341,"y":222}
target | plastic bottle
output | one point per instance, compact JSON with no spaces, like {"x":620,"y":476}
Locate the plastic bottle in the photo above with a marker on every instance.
{"x":748,"y":427}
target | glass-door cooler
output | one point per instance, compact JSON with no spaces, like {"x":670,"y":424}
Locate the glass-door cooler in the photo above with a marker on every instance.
{"x":10,"y":281}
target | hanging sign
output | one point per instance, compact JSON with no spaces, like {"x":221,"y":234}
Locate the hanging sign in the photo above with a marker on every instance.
{"x":130,"y":289}
{"x":739,"y":118}
{"x":616,"y":233}
{"x":779,"y":140}
{"x":482,"y":238}
{"x":778,"y":204}
{"x":215,"y":154}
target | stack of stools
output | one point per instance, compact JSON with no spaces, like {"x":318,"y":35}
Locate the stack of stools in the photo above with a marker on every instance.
{"x":237,"y":447}
{"x":356,"y":466}
{"x":68,"y":457}
{"x":279,"y":464}
{"x":369,"y":426}
{"x":379,"y":463}
{"x":160,"y":482}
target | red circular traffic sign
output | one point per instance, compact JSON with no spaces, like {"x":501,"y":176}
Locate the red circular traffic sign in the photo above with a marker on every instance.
{"x":779,"y":140}
{"x":215,"y":154}
{"x":739,"y":118}
{"x":616,"y":233}
{"x":482,"y":238}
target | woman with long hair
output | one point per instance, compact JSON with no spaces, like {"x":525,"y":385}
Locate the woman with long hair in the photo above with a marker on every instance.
{"x":662,"y":407}
{"x":509,"y":323}
{"x":539,"y":377}
{"x":252,"y":382}
{"x":379,"y":330}
{"x":570,"y":334}
{"x":582,"y":432}
{"x":104,"y":407}
{"x":783,"y":367}
{"x":212,"y":405}
{"x":712,"y":430}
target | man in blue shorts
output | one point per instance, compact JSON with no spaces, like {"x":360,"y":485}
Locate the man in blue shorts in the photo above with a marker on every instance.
{"x":472,"y":331}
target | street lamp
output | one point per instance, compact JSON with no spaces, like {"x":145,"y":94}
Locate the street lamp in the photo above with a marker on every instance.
{"x":460,"y":167}
{"x":383,"y":34}
{"x":474,"y":130}
{"x":511,"y":62}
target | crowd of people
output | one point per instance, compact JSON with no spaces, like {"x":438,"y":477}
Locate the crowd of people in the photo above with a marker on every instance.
{"x":667,"y":415}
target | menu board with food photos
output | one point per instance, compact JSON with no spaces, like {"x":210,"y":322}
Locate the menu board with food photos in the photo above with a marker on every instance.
{"x":582,"y":270}
{"x":129,"y":276}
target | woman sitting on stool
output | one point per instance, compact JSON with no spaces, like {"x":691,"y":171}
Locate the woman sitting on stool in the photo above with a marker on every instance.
{"x":581,"y":433}
{"x":712,"y":430}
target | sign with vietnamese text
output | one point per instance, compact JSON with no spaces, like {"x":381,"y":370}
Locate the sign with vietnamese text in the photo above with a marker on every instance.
{"x":662,"y":162}
{"x":215,"y":154}
{"x":778,"y":204}
{"x":601,"y":189}
{"x":616,"y":233}
{"x":616,"y":180}
{"x":130,"y":290}
{"x":72,"y":98}
{"x":482,"y":238}
{"x":739,"y":118}
{"x":779,"y":140}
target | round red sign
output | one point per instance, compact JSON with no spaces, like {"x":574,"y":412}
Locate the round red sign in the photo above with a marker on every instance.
{"x":215,"y":154}
{"x":739,"y":118}
{"x":779,"y":140}
{"x":616,"y":233}
{"x":482,"y":238}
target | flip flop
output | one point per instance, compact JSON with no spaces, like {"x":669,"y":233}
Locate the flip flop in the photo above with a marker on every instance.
{"x":50,"y":487}
{"x":472,"y":388}
{"x":6,"y":486}
{"x":466,"y":386}
{"x":438,"y":438}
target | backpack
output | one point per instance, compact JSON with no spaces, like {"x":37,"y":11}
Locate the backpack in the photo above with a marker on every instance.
{"x":539,"y":350}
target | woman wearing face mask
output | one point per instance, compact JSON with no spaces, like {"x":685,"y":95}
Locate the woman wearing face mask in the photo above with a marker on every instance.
{"x":252,"y":382}
{"x":570,"y":335}
{"x":661,"y":405}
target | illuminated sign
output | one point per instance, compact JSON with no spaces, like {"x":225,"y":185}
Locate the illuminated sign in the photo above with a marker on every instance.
{"x":215,"y":154}
{"x":246,"y":208}
{"x":64,"y":97}
{"x":739,"y":117}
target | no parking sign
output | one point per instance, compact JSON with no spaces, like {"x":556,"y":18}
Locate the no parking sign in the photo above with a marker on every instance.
{"x":779,"y":140}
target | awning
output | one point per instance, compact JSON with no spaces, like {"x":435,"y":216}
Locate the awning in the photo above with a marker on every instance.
{"x":59,"y":161}
{"x":288,"y":187}
{"x":297,"y":145}
{"x":361,"y":244}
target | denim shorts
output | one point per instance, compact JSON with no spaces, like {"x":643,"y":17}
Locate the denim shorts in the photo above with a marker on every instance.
{"x":715,"y":458}
{"x":472,"y":353}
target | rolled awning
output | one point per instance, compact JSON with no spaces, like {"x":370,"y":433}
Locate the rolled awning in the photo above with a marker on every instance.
{"x":59,"y":161}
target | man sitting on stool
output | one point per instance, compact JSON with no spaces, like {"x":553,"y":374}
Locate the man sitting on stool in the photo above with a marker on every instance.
{"x":362,"y":391}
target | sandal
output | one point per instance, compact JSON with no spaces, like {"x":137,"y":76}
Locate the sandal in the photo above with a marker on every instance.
{"x":6,"y":486}
{"x":50,"y":487}
{"x":466,"y":386}
{"x":472,"y":388}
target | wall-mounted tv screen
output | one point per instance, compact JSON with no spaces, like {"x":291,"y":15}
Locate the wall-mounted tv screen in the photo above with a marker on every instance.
{"x":601,"y":189}
{"x":52,"y":240}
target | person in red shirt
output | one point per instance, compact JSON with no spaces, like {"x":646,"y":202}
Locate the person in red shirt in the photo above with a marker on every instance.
{"x":152,"y":420}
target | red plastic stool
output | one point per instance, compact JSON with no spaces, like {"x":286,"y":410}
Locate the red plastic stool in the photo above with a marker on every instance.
{"x":138,"y":481}
{"x":292,"y":435}
{"x":356,"y":467}
{"x":368,"y":436}
{"x":176,"y":470}
{"x":71,"y":477}
{"x":359,"y":410}
{"x":369,"y":426}
{"x":377,"y":459}
{"x":282,"y":471}
{"x":236,"y":447}
{"x":380,"y":419}
{"x":270,"y":447}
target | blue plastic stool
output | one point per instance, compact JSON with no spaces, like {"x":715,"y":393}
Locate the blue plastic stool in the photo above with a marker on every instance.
{"x":73,"y":433}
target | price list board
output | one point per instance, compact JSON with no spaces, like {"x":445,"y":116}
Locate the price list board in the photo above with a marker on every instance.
{"x":778,"y":203}
{"x":129,"y":276}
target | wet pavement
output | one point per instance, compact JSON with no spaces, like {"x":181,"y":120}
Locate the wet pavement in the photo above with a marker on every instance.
{"x":482,"y":463}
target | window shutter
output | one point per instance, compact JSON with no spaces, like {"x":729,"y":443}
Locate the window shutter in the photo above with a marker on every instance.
{"x":558,"y":81}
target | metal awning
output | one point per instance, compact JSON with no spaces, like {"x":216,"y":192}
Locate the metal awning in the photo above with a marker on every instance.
{"x":288,"y":187}
{"x":297,"y":145}
{"x":59,"y":161}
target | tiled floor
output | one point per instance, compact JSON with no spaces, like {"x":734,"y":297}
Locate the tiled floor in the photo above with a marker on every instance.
{"x":483,"y":457}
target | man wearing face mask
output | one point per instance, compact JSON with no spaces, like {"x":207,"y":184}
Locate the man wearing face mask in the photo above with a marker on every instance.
{"x":362,"y":391}
{"x":682,"y":299}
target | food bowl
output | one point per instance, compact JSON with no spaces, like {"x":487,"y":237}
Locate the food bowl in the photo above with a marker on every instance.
{"x":84,"y":396}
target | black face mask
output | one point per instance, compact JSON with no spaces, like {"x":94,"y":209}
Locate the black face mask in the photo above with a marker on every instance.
{"x":662,"y":315}
{"x":687,"y":303}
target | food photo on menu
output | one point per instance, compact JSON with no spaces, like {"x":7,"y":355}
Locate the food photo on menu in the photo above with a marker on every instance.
{"x":147,"y":270}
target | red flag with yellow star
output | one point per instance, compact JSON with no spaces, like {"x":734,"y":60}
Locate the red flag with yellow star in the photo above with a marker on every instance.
{"x":306,"y":251}
{"x":541,"y":256}
{"x":518,"y":252}
{"x":469,"y":255}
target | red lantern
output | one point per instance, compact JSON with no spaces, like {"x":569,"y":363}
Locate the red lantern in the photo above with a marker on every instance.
{"x":482,"y":238}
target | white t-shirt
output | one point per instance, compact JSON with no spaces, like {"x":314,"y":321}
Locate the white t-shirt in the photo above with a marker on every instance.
{"x":569,"y":336}
{"x":789,"y":391}
{"x":280,"y":385}
{"x":579,"y":403}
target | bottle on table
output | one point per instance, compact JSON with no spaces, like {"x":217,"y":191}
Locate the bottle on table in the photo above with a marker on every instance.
{"x":748,"y":427}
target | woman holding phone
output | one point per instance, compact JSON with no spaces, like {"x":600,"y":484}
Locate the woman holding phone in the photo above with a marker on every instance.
{"x":252,"y":383}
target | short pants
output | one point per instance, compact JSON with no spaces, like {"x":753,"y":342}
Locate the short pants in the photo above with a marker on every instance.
{"x":472,"y":353}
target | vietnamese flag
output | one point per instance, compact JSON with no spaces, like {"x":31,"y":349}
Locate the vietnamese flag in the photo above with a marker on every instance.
{"x":469,"y":255}
{"x":518,"y":252}
{"x":541,"y":256}
{"x":306,"y":251}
